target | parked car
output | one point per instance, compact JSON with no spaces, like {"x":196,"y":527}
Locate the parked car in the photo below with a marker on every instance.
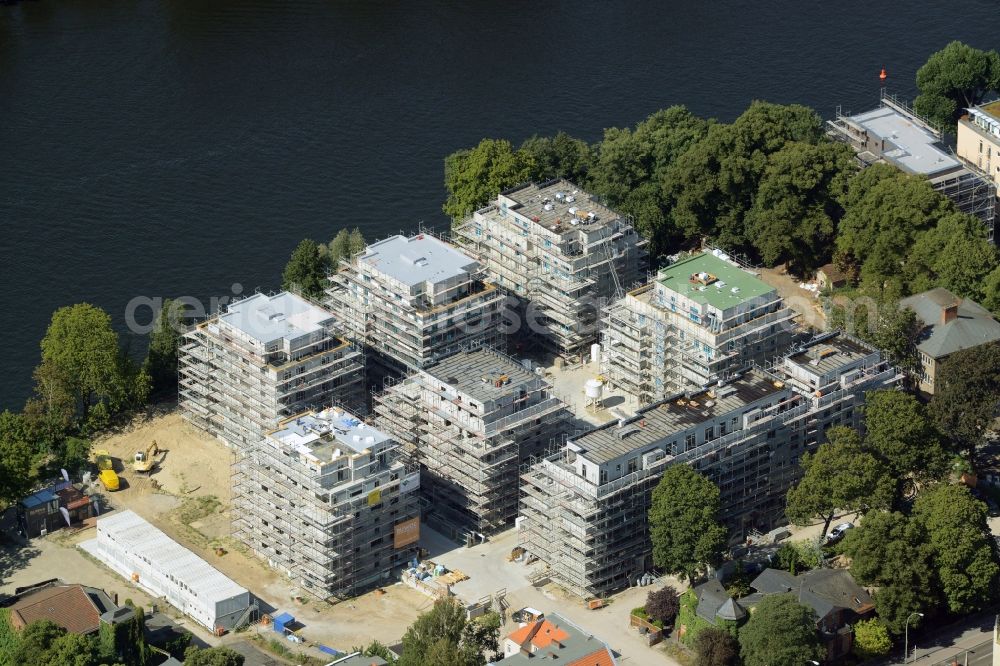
{"x":838,"y":532}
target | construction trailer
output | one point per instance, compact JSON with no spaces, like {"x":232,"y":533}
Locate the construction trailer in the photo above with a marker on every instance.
{"x":584,"y":509}
{"x":895,"y":134}
{"x":702,"y":319}
{"x":328,"y":500}
{"x":262,"y":360}
{"x":415,"y":300}
{"x":469,"y":422}
{"x":140,"y":552}
{"x":562,"y":254}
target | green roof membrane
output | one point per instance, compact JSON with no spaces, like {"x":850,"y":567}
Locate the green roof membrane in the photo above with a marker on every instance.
{"x":732,"y":285}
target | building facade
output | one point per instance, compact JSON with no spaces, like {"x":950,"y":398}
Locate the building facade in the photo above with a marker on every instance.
{"x":327,"y":500}
{"x":415,"y":301}
{"x":703,"y":319}
{"x":470,"y":421}
{"x":264,"y":359}
{"x":950,"y":324}
{"x":893,"y":133}
{"x":978,"y":141}
{"x":561,"y":253}
{"x":584,"y":510}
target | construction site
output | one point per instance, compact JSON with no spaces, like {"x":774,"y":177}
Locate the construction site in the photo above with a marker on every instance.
{"x":263,"y":359}
{"x":894,"y":133}
{"x":702,"y":319}
{"x":327,"y":500}
{"x":416,"y":300}
{"x":584,"y":509}
{"x":561,"y":253}
{"x":469,"y":422}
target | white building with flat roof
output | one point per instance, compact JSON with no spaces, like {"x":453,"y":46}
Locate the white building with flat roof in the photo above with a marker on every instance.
{"x":895,"y":134}
{"x":140,"y":552}
{"x":262,"y":360}
{"x":416,"y":300}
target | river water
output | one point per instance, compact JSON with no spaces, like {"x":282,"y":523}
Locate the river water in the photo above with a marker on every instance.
{"x":176,"y":147}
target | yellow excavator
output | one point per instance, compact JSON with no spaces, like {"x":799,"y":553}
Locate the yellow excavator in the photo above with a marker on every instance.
{"x":106,"y":470}
{"x":146,"y":460}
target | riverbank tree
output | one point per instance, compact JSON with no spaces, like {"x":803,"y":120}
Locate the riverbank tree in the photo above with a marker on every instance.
{"x":953,"y":79}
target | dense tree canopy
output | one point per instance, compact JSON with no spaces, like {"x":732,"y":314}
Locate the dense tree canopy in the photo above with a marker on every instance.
{"x":15,"y":458}
{"x":306,"y":270}
{"x":560,"y":156}
{"x":840,"y":475}
{"x":213,"y":656}
{"x":476,"y":175}
{"x":963,"y":553}
{"x":884,"y":213}
{"x":966,"y":396}
{"x":796,"y":209}
{"x":161,"y":359}
{"x":80,"y":352}
{"x":891,"y":552}
{"x":900,"y":433}
{"x":953,"y":79}
{"x":780,"y":632}
{"x":684,"y":524}
{"x":711,"y":187}
{"x":443,"y":636}
{"x":344,"y":245}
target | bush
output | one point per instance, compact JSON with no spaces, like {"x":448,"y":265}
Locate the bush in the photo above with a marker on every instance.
{"x":797,"y":557}
{"x":871,"y":639}
{"x":663,"y":605}
{"x":716,"y":647}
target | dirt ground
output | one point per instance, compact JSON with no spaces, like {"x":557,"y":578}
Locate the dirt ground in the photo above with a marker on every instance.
{"x":804,"y":302}
{"x":192,"y":505}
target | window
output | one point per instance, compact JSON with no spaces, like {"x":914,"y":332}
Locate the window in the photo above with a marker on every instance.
{"x":633,"y":465}
{"x":709,"y":433}
{"x":689,"y":442}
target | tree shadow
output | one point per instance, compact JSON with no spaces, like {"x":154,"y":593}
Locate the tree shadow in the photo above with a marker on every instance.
{"x":15,"y":555}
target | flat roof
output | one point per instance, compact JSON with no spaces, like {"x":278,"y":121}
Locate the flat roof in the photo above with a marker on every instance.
{"x":476,"y":373}
{"x":829,"y":354}
{"x":281,"y":316}
{"x":135,"y":534}
{"x":991,"y":108}
{"x":542,"y":203}
{"x":417,"y":260}
{"x":665,"y":419}
{"x":322,"y":434}
{"x":732,"y":285}
{"x":915,"y":149}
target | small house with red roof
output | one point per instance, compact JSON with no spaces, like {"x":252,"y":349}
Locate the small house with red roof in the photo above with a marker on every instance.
{"x":554,"y":639}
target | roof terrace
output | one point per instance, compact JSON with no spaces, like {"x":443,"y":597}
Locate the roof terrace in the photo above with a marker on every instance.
{"x":661,"y":421}
{"x":708,"y":280}
{"x":560,"y":206}
{"x":327,"y":435}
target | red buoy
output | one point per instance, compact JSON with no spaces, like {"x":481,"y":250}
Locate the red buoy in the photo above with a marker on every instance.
{"x":882,"y":75}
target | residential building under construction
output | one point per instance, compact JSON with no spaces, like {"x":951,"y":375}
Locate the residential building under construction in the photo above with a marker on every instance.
{"x":584,"y":510}
{"x":415,"y":300}
{"x":470,"y":421}
{"x":702,"y":319}
{"x":561,"y":253}
{"x":895,"y":134}
{"x":326,"y":499}
{"x":262,"y":360}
